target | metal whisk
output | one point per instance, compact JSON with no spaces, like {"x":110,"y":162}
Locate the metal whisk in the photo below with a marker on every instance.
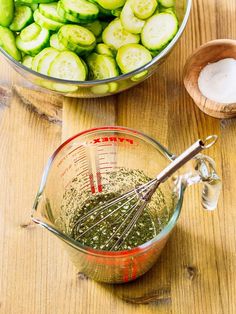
{"x":139,"y":197}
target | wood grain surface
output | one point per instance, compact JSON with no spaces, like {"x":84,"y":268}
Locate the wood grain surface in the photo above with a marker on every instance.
{"x":197,"y":271}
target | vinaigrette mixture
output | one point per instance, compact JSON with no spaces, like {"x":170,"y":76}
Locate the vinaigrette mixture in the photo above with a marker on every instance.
{"x":90,"y":220}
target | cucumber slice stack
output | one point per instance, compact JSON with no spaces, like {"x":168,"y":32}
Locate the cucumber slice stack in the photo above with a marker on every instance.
{"x":159,"y":30}
{"x":144,"y":9}
{"x":130,"y":22}
{"x":132,"y":56}
{"x":46,"y":22}
{"x":77,"y":38}
{"x":86,"y":39}
{"x":34,"y":41}
{"x":49,"y":10}
{"x":80,"y":9}
{"x":101,"y":66}
{"x":27,"y":61}
{"x":22,"y":17}
{"x":115,"y":35}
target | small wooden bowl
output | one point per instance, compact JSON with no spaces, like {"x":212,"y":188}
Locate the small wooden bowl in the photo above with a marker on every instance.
{"x":210,"y":52}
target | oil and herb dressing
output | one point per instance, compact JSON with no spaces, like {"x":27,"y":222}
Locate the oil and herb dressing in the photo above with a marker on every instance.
{"x":102,"y":228}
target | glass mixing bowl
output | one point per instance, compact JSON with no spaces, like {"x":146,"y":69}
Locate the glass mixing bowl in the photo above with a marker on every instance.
{"x":88,"y":89}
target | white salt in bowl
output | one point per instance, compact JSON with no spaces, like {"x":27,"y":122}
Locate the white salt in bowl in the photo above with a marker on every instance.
{"x":210,"y":52}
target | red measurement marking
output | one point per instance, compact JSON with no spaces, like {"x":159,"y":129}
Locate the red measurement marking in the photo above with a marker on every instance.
{"x":107,"y":167}
{"x":92,"y":187}
{"x":99,"y":181}
{"x":79,"y":147}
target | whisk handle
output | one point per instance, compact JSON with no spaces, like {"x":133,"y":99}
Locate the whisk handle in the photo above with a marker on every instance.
{"x":188,"y":154}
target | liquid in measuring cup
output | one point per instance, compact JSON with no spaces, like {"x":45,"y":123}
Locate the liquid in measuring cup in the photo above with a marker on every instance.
{"x":99,"y":227}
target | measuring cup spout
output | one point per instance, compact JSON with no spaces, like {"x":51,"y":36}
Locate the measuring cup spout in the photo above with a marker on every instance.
{"x":203,"y":171}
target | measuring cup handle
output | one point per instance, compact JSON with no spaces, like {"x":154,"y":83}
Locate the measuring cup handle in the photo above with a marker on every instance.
{"x":204,"y":172}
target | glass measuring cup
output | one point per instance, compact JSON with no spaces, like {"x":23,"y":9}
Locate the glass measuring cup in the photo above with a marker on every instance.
{"x":93,"y":161}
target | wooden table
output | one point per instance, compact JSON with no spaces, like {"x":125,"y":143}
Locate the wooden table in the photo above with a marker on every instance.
{"x":197,"y":270}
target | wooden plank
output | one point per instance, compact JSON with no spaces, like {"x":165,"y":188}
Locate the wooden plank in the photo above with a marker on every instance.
{"x":26,"y":140}
{"x":200,"y":274}
{"x":82,"y":114}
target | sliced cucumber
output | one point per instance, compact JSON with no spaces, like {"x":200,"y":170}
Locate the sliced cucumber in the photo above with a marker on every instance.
{"x":116,"y":12}
{"x":32,"y":2}
{"x":49,"y":10}
{"x":129,"y":21}
{"x":167,"y":10}
{"x":101,"y":66}
{"x":95,"y":27}
{"x":104,"y":49}
{"x":45,"y":62}
{"x":34,"y":46}
{"x":85,"y":66}
{"x":54,"y":43}
{"x":104,"y":13}
{"x":81,"y":9}
{"x":100,"y":89}
{"x":110,"y":46}
{"x":68,"y":66}
{"x":111,"y":5}
{"x":167,"y":3}
{"x":38,"y":57}
{"x":143,"y":9}
{"x":62,"y":13}
{"x":113,"y":87}
{"x":30,"y":32}
{"x":154,"y":53}
{"x":8,"y":43}
{"x":27,"y":61}
{"x":45,"y":22}
{"x":77,"y":38}
{"x":43,"y":1}
{"x":19,"y":3}
{"x":139,"y":76}
{"x":132,"y":56}
{"x":33,"y":6}
{"x":23,"y":16}
{"x":6,"y":12}
{"x":64,"y":88}
{"x":106,"y":88}
{"x":159,"y":30}
{"x":115,"y":36}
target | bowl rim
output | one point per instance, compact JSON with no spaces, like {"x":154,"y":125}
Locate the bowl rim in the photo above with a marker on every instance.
{"x":101,"y":253}
{"x":165,"y":51}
